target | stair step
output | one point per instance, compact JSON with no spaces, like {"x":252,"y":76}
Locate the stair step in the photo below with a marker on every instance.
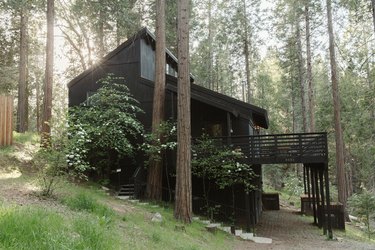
{"x":126,"y":190}
{"x":127,"y":186}
{"x":121,"y":194}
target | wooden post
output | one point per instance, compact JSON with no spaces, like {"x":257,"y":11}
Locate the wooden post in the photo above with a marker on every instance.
{"x":317,"y":193}
{"x":329,"y":224}
{"x":313,"y":194}
{"x":6,"y":120}
{"x":324,"y":223}
{"x":308,"y":185}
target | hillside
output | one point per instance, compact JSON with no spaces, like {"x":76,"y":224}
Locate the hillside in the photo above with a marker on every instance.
{"x":86,"y":216}
{"x":83,"y":216}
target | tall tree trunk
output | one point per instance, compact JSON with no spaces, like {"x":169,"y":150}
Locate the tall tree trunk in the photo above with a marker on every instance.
{"x":373,"y":13}
{"x":301,"y":75}
{"x":22,"y":108}
{"x":247,"y":52}
{"x":210,"y":59}
{"x":340,"y":162}
{"x":183,"y":198}
{"x":293,"y":109}
{"x":47,"y":101}
{"x":309,"y":69}
{"x":101,"y":34}
{"x":37,"y":96}
{"x":155,"y":171}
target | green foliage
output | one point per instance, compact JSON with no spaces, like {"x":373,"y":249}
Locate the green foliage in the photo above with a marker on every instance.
{"x":363,"y":205}
{"x":83,"y":201}
{"x":153,"y":147}
{"x":105,"y":129}
{"x":224,"y":165}
{"x":51,"y":162}
{"x":52,"y":167}
{"x":293,"y":185}
{"x":34,"y":228}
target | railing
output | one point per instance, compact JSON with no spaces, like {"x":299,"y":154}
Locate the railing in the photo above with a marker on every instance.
{"x":281,"y":148}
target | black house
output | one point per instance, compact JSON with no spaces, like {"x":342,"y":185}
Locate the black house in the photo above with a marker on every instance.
{"x":217,"y":114}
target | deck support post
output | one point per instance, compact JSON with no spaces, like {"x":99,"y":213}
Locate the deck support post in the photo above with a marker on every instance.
{"x":308,"y":185}
{"x":313,"y":194}
{"x":324,"y":222}
{"x":329,"y":224}
{"x":316,"y":176}
{"x":248,"y":212}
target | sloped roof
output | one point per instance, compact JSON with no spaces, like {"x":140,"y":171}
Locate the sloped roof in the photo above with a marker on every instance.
{"x":224,"y":102}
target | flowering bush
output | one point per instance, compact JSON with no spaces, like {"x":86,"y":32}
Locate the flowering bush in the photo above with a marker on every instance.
{"x":105,"y":128}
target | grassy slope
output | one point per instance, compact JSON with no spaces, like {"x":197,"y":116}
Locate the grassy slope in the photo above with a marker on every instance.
{"x":84,"y":216}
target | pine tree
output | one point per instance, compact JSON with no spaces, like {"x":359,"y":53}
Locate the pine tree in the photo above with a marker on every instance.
{"x":47,"y":101}
{"x":183,"y":198}
{"x":155,"y":171}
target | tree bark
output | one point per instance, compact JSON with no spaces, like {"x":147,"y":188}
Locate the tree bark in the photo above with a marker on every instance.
{"x":210,"y":59}
{"x":247,"y":53}
{"x":47,"y":101}
{"x":301,"y":75}
{"x":340,"y":162}
{"x":101,"y":33}
{"x":37,"y":96}
{"x":155,"y":171}
{"x":373,"y":13}
{"x":22,"y":107}
{"x":309,"y":70}
{"x":183,"y":198}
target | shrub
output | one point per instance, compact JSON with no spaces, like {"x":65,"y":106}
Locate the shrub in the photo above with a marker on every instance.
{"x":51,"y":165}
{"x":363,"y":205}
{"x":105,"y":128}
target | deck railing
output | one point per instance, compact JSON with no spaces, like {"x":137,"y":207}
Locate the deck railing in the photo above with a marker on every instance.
{"x":281,"y":148}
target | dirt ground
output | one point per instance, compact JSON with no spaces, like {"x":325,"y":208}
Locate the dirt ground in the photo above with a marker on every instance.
{"x":289,"y":230}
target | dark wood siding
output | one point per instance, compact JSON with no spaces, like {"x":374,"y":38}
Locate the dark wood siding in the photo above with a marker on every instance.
{"x":125,"y":63}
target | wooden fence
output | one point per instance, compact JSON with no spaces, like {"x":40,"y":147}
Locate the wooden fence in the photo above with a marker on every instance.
{"x":6,"y":120}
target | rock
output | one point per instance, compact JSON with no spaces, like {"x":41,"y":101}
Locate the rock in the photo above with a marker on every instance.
{"x":225,"y":229}
{"x":157,"y":217}
{"x":353,"y":218}
{"x":123,"y":197}
{"x":105,"y":188}
{"x":215,"y":224}
{"x":195,"y":218}
{"x":237,"y":232}
{"x":262,"y":240}
{"x":247,"y":236}
{"x":206,"y":222}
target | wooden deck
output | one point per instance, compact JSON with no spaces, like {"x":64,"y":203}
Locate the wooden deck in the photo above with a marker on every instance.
{"x":307,"y":148}
{"x":310,"y":149}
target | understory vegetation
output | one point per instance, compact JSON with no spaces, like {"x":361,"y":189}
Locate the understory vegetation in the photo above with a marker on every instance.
{"x":83,"y":215}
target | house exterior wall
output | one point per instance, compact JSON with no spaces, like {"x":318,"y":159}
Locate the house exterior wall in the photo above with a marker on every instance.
{"x":136,"y":64}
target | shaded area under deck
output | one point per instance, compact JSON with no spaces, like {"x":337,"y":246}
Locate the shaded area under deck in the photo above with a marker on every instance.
{"x":310,"y":149}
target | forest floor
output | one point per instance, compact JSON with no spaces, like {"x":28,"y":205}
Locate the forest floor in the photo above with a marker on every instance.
{"x":286,"y":227}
